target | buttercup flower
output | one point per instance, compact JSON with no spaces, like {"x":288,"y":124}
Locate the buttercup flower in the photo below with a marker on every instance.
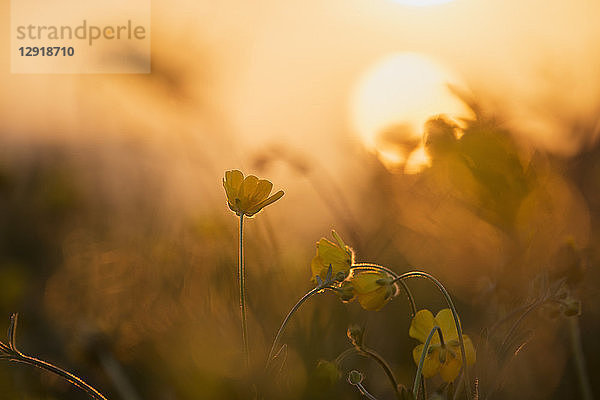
{"x":372,"y":289}
{"x":338,"y":255}
{"x":445,"y":359}
{"x":250,"y":195}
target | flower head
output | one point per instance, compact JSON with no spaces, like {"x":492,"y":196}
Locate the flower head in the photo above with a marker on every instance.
{"x":338,"y":255}
{"x":373,"y":289}
{"x":247,"y":196}
{"x":443,"y":358}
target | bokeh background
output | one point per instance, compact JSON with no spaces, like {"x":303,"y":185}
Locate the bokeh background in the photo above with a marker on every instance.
{"x":119,"y":252}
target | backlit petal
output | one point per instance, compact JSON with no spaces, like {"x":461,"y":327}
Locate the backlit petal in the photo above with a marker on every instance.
{"x":248,"y":186}
{"x":445,"y":321}
{"x":262,"y":191}
{"x":332,"y":254}
{"x":317,"y":268}
{"x":422,"y":323}
{"x":366,"y":281}
{"x":374,"y":300}
{"x":432,"y":364}
{"x":469,"y":350}
{"x":232,"y":182}
{"x":256,"y":208}
{"x":451,"y":368}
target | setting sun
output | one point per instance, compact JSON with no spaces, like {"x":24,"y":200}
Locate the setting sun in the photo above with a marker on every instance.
{"x":394,"y":98}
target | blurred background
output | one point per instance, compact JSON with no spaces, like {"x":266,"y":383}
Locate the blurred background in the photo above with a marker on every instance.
{"x":119,"y":252}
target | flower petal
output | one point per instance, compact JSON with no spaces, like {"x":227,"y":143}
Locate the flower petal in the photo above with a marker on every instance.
{"x":366,"y":281}
{"x":374,"y":300}
{"x":234,"y":178}
{"x":247,"y":190}
{"x":469,"y":350}
{"x":422,"y":323}
{"x":332,"y":254}
{"x":432,"y":364}
{"x":263,"y":189}
{"x":231,"y":183}
{"x":317,"y":268}
{"x":445,"y":321}
{"x":451,"y":368}
{"x":256,"y":208}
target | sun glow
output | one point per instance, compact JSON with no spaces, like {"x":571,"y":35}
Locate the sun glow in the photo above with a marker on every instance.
{"x":393,"y":100}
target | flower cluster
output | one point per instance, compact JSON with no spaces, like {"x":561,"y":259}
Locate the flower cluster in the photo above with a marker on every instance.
{"x":370,"y":287}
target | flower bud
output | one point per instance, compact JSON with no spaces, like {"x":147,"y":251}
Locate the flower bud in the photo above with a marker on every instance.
{"x":355,"y":334}
{"x":355,"y":377}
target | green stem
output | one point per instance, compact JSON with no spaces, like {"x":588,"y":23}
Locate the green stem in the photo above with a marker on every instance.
{"x":384,"y":365}
{"x":419,"y":374}
{"x":287,"y":318}
{"x":579,"y":359}
{"x":442,"y":289}
{"x":242,"y":278}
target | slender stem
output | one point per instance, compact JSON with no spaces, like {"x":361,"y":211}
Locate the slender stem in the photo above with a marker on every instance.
{"x":287,"y":318}
{"x":422,"y":359}
{"x":388,"y":371}
{"x":21,"y":358}
{"x":509,"y":316}
{"x":242,"y":278}
{"x":579,"y":359}
{"x":363,"y":390}
{"x":12,"y":354}
{"x":409,"y":295}
{"x":448,"y":298}
{"x":345,"y":354}
{"x":513,"y":329}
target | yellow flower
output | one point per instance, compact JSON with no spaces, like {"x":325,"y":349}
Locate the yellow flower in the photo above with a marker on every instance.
{"x":250,"y":195}
{"x":446,"y":359}
{"x":372,"y":289}
{"x":338,"y":255}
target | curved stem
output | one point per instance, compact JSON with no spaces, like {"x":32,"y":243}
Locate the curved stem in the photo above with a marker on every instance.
{"x":438,"y":284}
{"x":12,"y":354}
{"x":241,"y":277}
{"x":363,"y":390}
{"x":422,"y":359}
{"x":74,"y":380}
{"x":287,"y":318}
{"x":409,"y":295}
{"x":345,"y":354}
{"x":384,"y":365}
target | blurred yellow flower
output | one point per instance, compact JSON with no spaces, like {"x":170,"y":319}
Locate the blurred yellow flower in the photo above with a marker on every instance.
{"x":338,"y":255}
{"x":372,"y":289}
{"x":250,"y":195}
{"x":446,"y":359}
